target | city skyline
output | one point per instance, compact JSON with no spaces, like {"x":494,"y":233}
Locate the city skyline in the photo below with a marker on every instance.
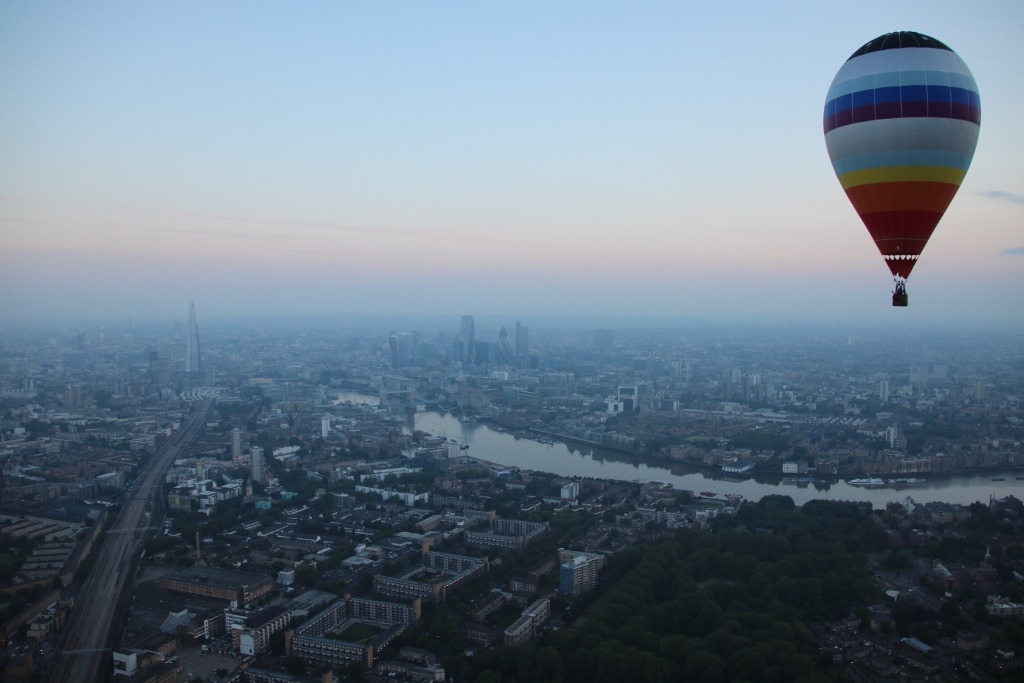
{"x":534,"y":161}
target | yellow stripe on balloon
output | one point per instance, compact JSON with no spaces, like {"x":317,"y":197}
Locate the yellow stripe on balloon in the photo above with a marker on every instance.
{"x":896,"y":174}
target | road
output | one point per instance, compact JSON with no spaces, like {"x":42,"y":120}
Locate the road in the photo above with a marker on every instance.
{"x":83,"y":654}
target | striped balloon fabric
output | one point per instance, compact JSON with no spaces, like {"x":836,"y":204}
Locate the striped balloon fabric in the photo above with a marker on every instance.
{"x":901,"y":123}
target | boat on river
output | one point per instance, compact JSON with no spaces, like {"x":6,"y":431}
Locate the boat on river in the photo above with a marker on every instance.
{"x":874,"y":481}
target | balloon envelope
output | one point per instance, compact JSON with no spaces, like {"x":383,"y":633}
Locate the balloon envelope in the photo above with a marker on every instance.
{"x":901,"y":123}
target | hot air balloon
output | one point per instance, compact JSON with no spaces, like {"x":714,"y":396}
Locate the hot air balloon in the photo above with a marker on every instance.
{"x":901,"y":123}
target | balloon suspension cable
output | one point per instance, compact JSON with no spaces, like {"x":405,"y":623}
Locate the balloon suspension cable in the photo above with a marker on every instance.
{"x":899,"y":292}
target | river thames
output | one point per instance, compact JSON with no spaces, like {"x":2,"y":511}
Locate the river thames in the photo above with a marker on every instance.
{"x":571,"y":460}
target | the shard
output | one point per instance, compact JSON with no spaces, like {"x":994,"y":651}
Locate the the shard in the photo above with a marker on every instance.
{"x":193,"y":356}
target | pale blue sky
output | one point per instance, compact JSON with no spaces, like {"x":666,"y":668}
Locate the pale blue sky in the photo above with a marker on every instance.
{"x":446,"y":158}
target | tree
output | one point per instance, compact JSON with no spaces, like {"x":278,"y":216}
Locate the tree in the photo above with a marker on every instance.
{"x":306,"y":575}
{"x":296,"y":665}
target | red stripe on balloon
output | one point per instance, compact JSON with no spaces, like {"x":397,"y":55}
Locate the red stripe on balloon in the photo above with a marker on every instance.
{"x":910,"y":195}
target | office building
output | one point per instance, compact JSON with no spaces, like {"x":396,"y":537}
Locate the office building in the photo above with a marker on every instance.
{"x":522,"y":339}
{"x":159,"y":369}
{"x":506,"y":355}
{"x":399,"y":345}
{"x":236,"y":443}
{"x":482,"y":353}
{"x":467,"y":338}
{"x":629,"y":396}
{"x":883,"y":391}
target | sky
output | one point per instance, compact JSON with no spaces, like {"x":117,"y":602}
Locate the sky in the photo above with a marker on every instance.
{"x":643,"y":159}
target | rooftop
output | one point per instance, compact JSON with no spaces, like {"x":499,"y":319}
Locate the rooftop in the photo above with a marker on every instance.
{"x":216,"y":577}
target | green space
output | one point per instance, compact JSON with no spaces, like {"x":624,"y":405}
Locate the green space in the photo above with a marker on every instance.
{"x":358,"y":632}
{"x":711,"y":607}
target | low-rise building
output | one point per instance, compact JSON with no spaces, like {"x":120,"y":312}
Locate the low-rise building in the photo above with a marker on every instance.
{"x":526,"y":627}
{"x":434,"y":580}
{"x":352,"y":630}
{"x":258,"y":627}
{"x":242,"y":588}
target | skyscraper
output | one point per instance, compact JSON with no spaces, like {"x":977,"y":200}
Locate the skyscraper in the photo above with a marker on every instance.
{"x":73,"y":395}
{"x":467,"y":337}
{"x":236,"y":443}
{"x":883,"y":390}
{"x":522,"y":339}
{"x":193,"y":356}
{"x":256,"y":464}
{"x":159,"y":369}
{"x":481,"y":353}
{"x":398,"y":345}
{"x":506,"y":356}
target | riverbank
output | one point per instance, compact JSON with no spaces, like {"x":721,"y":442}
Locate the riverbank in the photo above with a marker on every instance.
{"x":566,"y":459}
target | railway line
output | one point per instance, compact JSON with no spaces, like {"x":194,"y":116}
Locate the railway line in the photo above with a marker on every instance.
{"x":83,"y":652}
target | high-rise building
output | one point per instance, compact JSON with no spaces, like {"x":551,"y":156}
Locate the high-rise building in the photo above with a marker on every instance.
{"x":73,"y":395}
{"x":506,"y":354}
{"x":481,"y":353}
{"x":325,"y":426}
{"x":522,"y":339}
{"x":921,"y":374}
{"x":467,"y":337}
{"x":577,"y":576}
{"x":979,"y":390}
{"x":236,"y":443}
{"x":883,"y":391}
{"x":256,"y":464}
{"x":193,"y":356}
{"x":398,"y":345}
{"x":629,"y":396}
{"x":159,"y":369}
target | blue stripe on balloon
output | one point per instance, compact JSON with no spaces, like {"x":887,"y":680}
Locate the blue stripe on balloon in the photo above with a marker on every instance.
{"x":900,"y":78}
{"x":905,"y":157}
{"x":906,"y":93}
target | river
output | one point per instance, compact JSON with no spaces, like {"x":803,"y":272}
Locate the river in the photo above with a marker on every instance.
{"x":571,"y":460}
